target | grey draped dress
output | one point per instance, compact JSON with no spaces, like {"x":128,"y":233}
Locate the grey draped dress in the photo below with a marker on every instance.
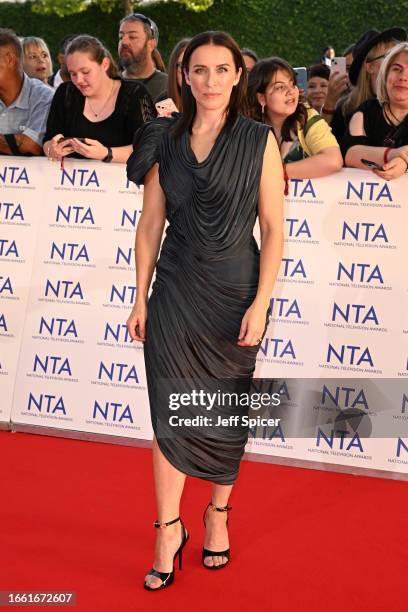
{"x":206,"y":278}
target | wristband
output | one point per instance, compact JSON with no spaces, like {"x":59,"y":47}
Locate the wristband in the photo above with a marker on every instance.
{"x":286,"y":179}
{"x":328,"y":111}
{"x":387,"y":150}
{"x":12,"y":143}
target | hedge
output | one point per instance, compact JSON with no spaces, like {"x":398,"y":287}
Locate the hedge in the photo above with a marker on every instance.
{"x":296,"y":30}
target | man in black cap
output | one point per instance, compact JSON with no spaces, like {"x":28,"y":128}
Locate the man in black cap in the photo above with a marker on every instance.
{"x":138,"y":38}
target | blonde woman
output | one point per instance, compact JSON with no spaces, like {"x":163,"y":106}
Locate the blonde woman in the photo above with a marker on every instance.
{"x":37,"y":62}
{"x":368,"y":54}
{"x":378,"y":130}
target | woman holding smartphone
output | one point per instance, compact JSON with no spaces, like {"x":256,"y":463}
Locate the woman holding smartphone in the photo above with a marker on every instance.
{"x":378,"y":130}
{"x":96,"y":113}
{"x":209,"y":307}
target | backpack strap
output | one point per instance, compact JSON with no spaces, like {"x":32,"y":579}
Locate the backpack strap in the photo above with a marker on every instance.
{"x":310,"y":122}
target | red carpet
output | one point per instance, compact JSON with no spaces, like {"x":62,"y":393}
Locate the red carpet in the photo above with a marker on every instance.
{"x":78,"y":515}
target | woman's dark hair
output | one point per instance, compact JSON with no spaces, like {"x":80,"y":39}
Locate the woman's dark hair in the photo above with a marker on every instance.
{"x":93,"y":46}
{"x":236,"y":102}
{"x":250,"y":53}
{"x":259,"y":78}
{"x":173,"y":89}
{"x":318,"y":70}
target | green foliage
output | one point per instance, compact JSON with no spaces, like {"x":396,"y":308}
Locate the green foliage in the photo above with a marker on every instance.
{"x":294,"y":29}
{"x":71,"y":7}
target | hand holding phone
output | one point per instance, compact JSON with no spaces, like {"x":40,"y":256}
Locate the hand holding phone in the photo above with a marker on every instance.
{"x":338,"y":64}
{"x":301,"y":78}
{"x":371,"y":164}
{"x":166,"y":107}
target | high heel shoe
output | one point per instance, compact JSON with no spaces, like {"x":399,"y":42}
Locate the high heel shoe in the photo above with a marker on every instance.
{"x":212,"y":553}
{"x":167,"y":578}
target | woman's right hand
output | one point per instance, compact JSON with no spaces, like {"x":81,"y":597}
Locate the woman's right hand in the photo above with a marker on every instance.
{"x":393,"y":169}
{"x":57,"y":150}
{"x":136,"y":322}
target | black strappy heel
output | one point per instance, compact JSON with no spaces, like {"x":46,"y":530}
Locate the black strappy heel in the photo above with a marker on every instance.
{"x":211,"y":553}
{"x":167,"y":578}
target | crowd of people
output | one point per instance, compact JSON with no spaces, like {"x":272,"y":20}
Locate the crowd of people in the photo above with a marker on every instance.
{"x":353,"y":111}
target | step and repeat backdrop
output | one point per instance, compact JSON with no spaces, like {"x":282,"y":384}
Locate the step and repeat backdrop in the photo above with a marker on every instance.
{"x":339,"y":311}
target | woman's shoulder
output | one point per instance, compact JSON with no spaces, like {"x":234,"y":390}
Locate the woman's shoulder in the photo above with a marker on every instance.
{"x":147,"y":146}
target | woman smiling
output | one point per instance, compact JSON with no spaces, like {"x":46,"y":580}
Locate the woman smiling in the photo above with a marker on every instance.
{"x":378,"y":131}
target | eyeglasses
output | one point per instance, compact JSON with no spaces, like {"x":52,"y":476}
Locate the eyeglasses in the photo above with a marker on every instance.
{"x":146,"y":20}
{"x":373,"y":59}
{"x":283,"y":88}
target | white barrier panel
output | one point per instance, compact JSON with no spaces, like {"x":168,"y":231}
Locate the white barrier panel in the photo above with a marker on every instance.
{"x":339,"y":308}
{"x":21,"y":198}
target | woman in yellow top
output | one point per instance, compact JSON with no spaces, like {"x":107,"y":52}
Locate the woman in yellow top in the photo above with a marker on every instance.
{"x":305,"y":140}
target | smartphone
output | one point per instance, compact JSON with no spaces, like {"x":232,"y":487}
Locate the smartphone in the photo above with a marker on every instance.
{"x":64,"y":138}
{"x":301,"y":78}
{"x":166,"y":107}
{"x":338,"y":64}
{"x":371,"y":164}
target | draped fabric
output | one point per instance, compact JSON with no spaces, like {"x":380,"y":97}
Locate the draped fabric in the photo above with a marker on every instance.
{"x":206,"y":278}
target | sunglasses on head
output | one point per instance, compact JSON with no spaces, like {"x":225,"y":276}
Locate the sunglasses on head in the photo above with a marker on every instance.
{"x":146,"y":20}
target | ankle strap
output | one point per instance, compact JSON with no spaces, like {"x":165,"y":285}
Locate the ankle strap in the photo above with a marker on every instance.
{"x":162,"y":525}
{"x":219,"y":508}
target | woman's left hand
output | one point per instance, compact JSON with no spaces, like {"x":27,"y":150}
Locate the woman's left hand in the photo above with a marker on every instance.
{"x":92,"y":149}
{"x":392,"y":169}
{"x":252,"y":325}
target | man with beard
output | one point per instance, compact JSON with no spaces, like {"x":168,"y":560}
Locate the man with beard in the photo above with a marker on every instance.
{"x":138,"y":37}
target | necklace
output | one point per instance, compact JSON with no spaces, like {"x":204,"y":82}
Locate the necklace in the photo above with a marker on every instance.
{"x":396,"y":118}
{"x":105,"y":103}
